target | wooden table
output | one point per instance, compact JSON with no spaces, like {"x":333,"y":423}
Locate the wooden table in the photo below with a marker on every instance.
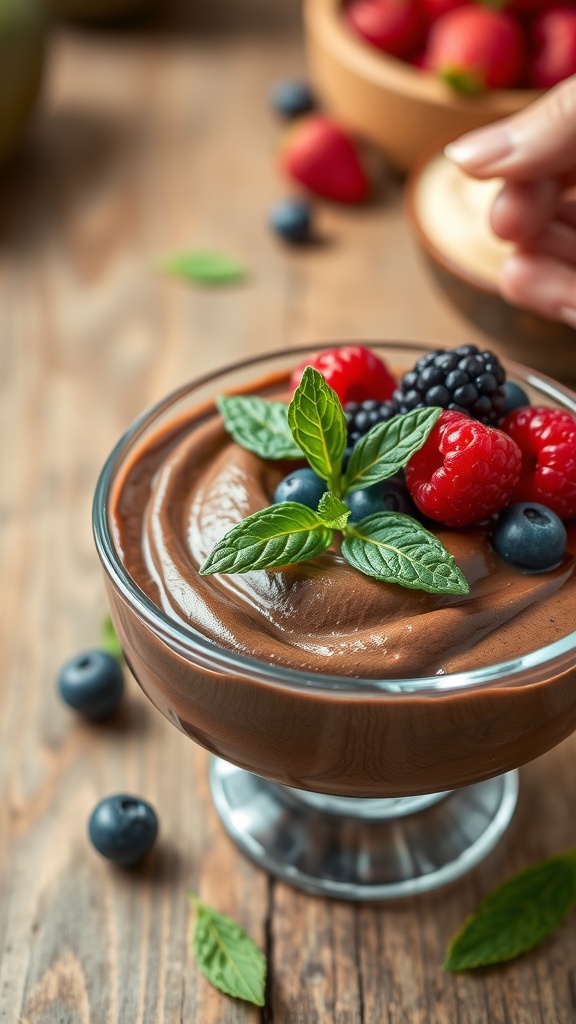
{"x":148,"y":142}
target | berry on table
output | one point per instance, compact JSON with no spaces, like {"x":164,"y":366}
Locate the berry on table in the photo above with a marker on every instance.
{"x":93,"y":684}
{"x":325,"y":158}
{"x":353,"y":371}
{"x":291,"y":219}
{"x":516,"y":397}
{"x":362,"y":416}
{"x":303,"y":486}
{"x":530,"y":536}
{"x":463,"y":379}
{"x":291,"y":98}
{"x":547,"y":440}
{"x":123,"y":828}
{"x":465,"y":471}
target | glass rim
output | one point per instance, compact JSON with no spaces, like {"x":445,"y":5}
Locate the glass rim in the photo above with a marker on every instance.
{"x":175,"y":632}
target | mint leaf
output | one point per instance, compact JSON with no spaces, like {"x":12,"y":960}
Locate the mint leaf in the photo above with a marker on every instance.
{"x":516,"y":916}
{"x":395,"y":548}
{"x":318,"y":426}
{"x":109,"y":641}
{"x":260,"y":426}
{"x":203,"y":268}
{"x":388,"y":447}
{"x":227,"y":956}
{"x":281,"y":534}
{"x":333,"y":512}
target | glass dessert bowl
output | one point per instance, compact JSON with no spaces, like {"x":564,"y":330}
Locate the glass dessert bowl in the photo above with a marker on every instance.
{"x":349,"y":785}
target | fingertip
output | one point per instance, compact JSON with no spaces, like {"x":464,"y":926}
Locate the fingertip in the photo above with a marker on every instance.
{"x":521,"y":210}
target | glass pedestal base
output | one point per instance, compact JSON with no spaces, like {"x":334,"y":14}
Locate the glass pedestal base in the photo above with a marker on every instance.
{"x":362,"y":849}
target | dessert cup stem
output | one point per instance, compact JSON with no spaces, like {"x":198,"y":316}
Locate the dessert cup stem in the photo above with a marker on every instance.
{"x":362,"y":849}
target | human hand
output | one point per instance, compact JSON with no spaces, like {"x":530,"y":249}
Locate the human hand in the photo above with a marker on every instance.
{"x":535,"y":152}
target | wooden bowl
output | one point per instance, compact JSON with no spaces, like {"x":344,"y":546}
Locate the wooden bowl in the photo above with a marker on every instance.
{"x":401,"y":108}
{"x":469,"y":280}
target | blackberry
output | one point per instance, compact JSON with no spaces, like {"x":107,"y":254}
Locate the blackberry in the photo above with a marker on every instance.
{"x":463,"y":379}
{"x":362,"y":416}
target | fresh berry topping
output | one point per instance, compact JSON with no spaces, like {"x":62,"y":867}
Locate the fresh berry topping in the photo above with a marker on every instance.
{"x":291,"y":98}
{"x":326,"y":159}
{"x":303,"y":486}
{"x":93,"y":684}
{"x":516,"y":397}
{"x":530,"y":536}
{"x":388,"y":496}
{"x":362,"y":416}
{"x":463,"y":380}
{"x":464,"y":472}
{"x":123,"y":828}
{"x":291,"y":219}
{"x":547,"y":440}
{"x":354,"y":372}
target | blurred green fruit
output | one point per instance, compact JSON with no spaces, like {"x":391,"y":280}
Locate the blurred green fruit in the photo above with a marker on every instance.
{"x":22,"y":26}
{"x":93,"y":10}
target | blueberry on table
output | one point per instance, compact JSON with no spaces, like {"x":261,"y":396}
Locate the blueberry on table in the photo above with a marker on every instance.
{"x":291,"y":98}
{"x":516,"y":397}
{"x":93,"y":684}
{"x":530,"y":536}
{"x":291,"y":219}
{"x":303,"y":486}
{"x":123,"y":828}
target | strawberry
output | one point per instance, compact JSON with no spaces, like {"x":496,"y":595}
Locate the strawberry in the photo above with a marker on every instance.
{"x":326,"y":159}
{"x":464,"y":472}
{"x":547,"y":439}
{"x":475,"y":48}
{"x":394,"y":26}
{"x":554,"y":41}
{"x":434,"y":9}
{"x":353,"y":371}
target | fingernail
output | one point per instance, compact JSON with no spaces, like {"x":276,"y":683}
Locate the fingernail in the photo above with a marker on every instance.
{"x":481,"y":148}
{"x":568,"y":315}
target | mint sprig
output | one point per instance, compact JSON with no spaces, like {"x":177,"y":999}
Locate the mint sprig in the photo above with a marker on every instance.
{"x":279,"y":535}
{"x":516,"y":916}
{"x":227,"y":956}
{"x":259,"y":426}
{"x":318,"y":426}
{"x":387,"y":546}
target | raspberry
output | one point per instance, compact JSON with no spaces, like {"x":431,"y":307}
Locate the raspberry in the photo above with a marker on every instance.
{"x":464,"y":472}
{"x":354,"y":372}
{"x":547,"y":441}
{"x":463,"y":379}
{"x":362,"y":416}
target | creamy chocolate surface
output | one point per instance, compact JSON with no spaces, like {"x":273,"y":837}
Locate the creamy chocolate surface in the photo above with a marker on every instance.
{"x":185,"y":489}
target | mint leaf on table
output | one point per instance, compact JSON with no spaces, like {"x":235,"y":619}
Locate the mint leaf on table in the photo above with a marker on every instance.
{"x":516,"y":916}
{"x":388,"y":447}
{"x":318,"y":426}
{"x":279,"y":535}
{"x":203,"y":268}
{"x":259,"y":426}
{"x":227,"y":956}
{"x":332,"y":511}
{"x":109,"y":641}
{"x":395,"y":548}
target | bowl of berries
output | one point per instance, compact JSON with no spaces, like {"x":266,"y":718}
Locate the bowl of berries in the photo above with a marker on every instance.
{"x":350,"y":575}
{"x":413,"y":74}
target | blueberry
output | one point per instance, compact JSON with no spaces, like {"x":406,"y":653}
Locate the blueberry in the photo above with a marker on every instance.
{"x":291,"y":98}
{"x":303,"y":485}
{"x":92,"y":683}
{"x":516,"y":398}
{"x":530,"y":536}
{"x":388,"y":496}
{"x":123,"y":828}
{"x":292,"y":220}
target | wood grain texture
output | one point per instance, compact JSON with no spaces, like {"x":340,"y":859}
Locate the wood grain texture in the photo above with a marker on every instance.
{"x":149,"y":141}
